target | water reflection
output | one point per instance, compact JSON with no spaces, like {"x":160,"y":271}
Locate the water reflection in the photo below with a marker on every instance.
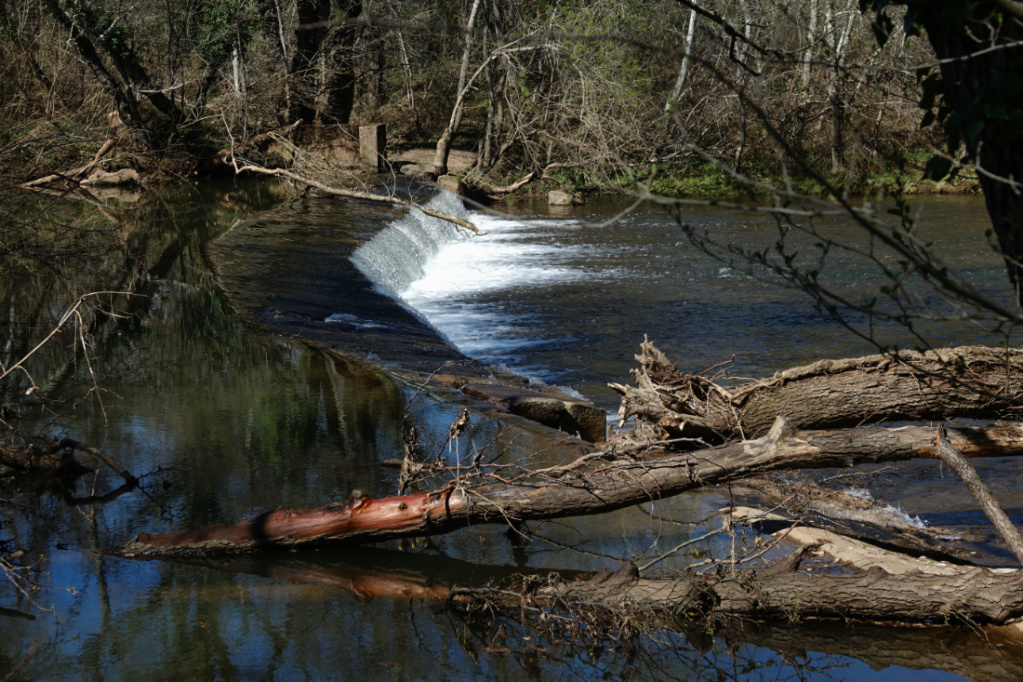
{"x":219,"y":422}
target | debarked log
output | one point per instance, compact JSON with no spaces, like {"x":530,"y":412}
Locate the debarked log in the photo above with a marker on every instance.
{"x":590,"y":485}
{"x":977,"y":596}
{"x":969,"y":381}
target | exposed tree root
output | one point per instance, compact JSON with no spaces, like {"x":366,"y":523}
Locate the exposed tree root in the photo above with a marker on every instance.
{"x":969,"y":381}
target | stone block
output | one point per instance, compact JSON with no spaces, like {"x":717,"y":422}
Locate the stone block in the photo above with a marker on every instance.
{"x":557,"y":198}
{"x":452,"y":183}
{"x":372,"y":145}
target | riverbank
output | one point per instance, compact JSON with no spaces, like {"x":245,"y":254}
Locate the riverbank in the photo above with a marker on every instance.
{"x":114,"y":156}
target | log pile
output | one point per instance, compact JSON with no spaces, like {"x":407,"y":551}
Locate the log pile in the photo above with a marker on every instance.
{"x":691,"y":433}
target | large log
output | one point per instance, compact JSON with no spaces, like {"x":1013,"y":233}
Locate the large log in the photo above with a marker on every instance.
{"x":976,"y":596}
{"x":968,"y":381}
{"x":589,"y":485}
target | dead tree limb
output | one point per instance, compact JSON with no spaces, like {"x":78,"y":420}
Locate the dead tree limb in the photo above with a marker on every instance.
{"x":988,"y":503}
{"x":968,"y":381}
{"x":573,"y":489}
{"x":118,"y":132}
{"x":524,"y":180}
{"x":57,"y":457}
{"x":353,"y":194}
{"x":72,"y":444}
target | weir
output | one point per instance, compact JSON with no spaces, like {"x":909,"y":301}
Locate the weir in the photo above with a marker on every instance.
{"x":397,"y":255}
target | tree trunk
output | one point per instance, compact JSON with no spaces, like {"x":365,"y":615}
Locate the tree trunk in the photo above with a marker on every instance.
{"x":978,"y":596}
{"x":969,"y":381}
{"x":124,"y":102}
{"x":341,"y":82}
{"x":808,"y":51}
{"x":440,"y":158}
{"x":310,"y":34}
{"x":573,"y":489}
{"x":973,"y":86}
{"x":683,"y":70}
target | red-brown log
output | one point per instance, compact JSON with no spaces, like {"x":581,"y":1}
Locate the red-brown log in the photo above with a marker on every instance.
{"x":570,"y":490}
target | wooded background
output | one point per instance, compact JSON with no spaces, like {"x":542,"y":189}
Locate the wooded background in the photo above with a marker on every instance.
{"x":590,"y":86}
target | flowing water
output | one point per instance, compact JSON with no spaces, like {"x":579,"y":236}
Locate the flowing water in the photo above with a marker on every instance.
{"x":201,"y":385}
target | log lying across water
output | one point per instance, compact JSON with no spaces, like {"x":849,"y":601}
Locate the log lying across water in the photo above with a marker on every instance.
{"x":590,"y":485}
{"x":969,"y":381}
{"x":977,"y":596}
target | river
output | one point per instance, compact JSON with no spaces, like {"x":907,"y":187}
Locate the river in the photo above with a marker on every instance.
{"x":202,"y":386}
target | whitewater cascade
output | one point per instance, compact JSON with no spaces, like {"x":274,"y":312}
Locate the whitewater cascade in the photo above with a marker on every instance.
{"x":397,"y":255}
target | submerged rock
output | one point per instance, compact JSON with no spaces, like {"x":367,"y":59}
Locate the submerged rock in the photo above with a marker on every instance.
{"x":554,"y":409}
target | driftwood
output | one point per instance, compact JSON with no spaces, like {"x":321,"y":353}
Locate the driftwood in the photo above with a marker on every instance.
{"x":963,"y":381}
{"x":969,"y":381}
{"x":124,"y":176}
{"x":951,"y":456}
{"x":817,"y":511}
{"x":57,"y":457}
{"x":977,"y":596}
{"x":590,"y":485}
{"x":74,"y":175}
{"x":848,"y":551}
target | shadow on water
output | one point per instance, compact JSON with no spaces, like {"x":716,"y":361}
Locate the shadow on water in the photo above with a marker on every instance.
{"x":222,"y":413}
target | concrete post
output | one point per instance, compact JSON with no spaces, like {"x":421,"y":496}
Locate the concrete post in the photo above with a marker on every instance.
{"x":372,"y":143}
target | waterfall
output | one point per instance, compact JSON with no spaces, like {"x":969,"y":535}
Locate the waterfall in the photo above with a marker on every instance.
{"x":397,"y":255}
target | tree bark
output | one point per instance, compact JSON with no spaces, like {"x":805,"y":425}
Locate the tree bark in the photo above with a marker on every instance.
{"x":574,"y":489}
{"x":977,"y":596}
{"x":341,"y":82}
{"x":440,"y":158}
{"x":969,"y":381}
{"x":977,"y":80}
{"x":683,"y":70}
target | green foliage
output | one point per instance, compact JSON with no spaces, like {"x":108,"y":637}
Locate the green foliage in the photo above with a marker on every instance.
{"x":220,"y":25}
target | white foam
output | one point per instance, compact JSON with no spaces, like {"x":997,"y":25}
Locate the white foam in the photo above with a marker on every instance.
{"x":452,"y":279}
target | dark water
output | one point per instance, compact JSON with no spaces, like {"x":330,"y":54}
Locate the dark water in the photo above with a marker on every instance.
{"x":194,"y":390}
{"x":569,"y":297}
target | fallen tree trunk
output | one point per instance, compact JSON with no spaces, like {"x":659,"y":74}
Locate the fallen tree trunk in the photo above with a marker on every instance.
{"x":968,"y":381}
{"x":976,"y":596}
{"x":853,"y":552}
{"x":821,"y":511}
{"x":587,"y":486}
